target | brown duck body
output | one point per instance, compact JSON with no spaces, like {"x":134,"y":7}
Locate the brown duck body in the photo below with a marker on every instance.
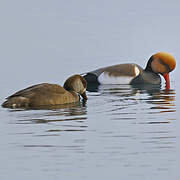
{"x":46,"y":94}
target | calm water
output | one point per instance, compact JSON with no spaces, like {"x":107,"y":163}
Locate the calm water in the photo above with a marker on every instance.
{"x":121,"y":132}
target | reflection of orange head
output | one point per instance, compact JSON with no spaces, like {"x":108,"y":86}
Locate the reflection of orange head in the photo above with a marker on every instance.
{"x":163,"y":62}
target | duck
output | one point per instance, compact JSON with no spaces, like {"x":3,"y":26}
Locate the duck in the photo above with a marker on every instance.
{"x":161,"y":63}
{"x":46,"y":94}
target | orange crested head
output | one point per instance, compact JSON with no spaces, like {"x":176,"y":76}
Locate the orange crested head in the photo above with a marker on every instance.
{"x":166,"y":60}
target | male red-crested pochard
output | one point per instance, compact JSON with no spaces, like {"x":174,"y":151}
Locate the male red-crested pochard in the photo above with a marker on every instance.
{"x":46,"y":94}
{"x":159,"y":63}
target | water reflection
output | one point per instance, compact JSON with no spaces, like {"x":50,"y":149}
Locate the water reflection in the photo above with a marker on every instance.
{"x":137,"y":114}
{"x":127,"y":100}
{"x":165,"y":101}
{"x":68,"y":117}
{"x":128,"y":89}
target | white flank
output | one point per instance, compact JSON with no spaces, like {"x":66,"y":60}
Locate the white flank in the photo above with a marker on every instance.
{"x":104,"y":78}
{"x":136,"y":71}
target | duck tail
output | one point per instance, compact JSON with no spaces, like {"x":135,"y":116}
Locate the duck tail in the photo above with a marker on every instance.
{"x":16,"y":102}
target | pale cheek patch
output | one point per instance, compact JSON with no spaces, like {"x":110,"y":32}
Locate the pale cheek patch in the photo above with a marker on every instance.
{"x":104,"y":78}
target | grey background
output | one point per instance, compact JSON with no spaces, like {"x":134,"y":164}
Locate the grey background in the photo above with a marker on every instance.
{"x":47,"y":41}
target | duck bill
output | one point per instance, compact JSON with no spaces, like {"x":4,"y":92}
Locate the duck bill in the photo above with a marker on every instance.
{"x":84,"y":95}
{"x":166,"y":77}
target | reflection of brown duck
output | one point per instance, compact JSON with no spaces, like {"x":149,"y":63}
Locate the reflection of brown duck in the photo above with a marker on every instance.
{"x":160,"y":63}
{"x":49,"y":94}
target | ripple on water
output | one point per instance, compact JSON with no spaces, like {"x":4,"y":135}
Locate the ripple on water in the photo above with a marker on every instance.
{"x":119,"y":126}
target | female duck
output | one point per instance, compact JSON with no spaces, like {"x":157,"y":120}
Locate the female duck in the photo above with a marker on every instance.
{"x":159,"y":63}
{"x":49,"y":94}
